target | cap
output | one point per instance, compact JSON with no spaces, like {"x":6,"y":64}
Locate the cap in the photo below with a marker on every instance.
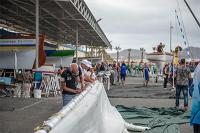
{"x":89,"y":64}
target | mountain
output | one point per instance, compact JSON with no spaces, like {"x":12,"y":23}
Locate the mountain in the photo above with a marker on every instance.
{"x":135,"y":54}
{"x":195,"y":53}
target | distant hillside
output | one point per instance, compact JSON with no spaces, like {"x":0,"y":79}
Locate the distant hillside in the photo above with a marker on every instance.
{"x":195,"y":53}
{"x":135,"y":54}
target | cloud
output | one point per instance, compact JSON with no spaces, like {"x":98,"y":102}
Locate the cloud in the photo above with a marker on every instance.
{"x":144,"y":23}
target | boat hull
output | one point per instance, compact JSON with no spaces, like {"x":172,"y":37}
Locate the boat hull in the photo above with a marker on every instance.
{"x":160,"y":59}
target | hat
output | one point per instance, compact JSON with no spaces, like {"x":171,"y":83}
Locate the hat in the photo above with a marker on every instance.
{"x":84,"y":62}
{"x":87,"y":63}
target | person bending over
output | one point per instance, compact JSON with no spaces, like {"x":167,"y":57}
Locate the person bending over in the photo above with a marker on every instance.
{"x":69,"y":89}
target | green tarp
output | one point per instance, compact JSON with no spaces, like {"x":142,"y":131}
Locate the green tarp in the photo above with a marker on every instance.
{"x":160,"y":120}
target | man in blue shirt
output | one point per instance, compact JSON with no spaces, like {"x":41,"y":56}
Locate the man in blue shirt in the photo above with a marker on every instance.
{"x":123,"y":70}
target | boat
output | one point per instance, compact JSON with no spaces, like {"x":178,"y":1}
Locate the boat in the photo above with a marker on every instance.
{"x":159,"y":56}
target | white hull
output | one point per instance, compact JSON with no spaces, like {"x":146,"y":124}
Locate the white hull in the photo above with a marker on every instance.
{"x":22,"y":59}
{"x":60,"y":61}
{"x":159,"y":60}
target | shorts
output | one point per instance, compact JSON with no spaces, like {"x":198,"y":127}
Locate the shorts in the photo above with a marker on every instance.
{"x":123,"y":76}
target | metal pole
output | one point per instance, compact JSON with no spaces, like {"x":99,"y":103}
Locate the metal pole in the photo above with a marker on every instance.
{"x":77,"y":44}
{"x":173,"y":71}
{"x":61,"y":61}
{"x":86,"y":50}
{"x":15,"y":61}
{"x":15,"y":64}
{"x":37,"y":32}
{"x":192,"y":13}
{"x":170,"y":37}
{"x":91,"y":50}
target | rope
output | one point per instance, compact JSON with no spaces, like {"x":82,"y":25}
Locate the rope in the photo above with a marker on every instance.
{"x":183,"y":31}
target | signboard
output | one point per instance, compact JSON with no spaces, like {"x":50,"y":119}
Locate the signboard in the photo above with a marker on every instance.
{"x":17,"y":42}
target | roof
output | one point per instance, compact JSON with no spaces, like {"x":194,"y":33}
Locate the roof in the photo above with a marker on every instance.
{"x":58,"y":20}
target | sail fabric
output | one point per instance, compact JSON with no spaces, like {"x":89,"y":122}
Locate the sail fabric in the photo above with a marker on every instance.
{"x":93,"y":114}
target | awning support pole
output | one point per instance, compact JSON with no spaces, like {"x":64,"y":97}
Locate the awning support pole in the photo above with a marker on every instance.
{"x":37,"y":32}
{"x":91,"y":51}
{"x":86,"y":50}
{"x":77,"y":44}
{"x":15,"y":64}
{"x":61,"y":61}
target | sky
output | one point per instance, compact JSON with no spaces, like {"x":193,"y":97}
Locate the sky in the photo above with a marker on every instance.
{"x":145,"y":23}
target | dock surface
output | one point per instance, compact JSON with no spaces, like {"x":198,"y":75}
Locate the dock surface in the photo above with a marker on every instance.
{"x":19,"y":115}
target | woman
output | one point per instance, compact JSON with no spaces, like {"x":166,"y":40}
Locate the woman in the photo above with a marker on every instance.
{"x":195,"y":114}
{"x":166,"y":75}
{"x":123,"y":70}
{"x":146,"y":74}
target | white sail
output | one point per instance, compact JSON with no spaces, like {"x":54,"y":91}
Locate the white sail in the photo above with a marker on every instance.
{"x":90,"y":112}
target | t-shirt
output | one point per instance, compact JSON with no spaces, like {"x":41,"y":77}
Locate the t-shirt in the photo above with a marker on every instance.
{"x":146,"y":72}
{"x":166,"y":70}
{"x":182,"y":75}
{"x":123,"y":69}
{"x":102,"y":67}
{"x":70,"y":79}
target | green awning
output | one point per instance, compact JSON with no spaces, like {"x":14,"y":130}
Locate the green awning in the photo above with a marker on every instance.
{"x":59,"y":53}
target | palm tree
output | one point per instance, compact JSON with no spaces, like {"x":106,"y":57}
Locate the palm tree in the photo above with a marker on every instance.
{"x":142,"y":54}
{"x":129,"y":56}
{"x":118,"y":49}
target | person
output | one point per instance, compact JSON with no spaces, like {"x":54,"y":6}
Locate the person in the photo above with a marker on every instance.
{"x":153,"y":72}
{"x":60,"y":70}
{"x":115,"y":71}
{"x":182,"y":80}
{"x":195,"y":112}
{"x":166,"y":75}
{"x":171,"y":73}
{"x":90,"y":73}
{"x":69,"y":89}
{"x":98,"y":68}
{"x":102,"y":67}
{"x":85,"y":66}
{"x":146,"y":74}
{"x":118,"y":72}
{"x":123,"y":70}
{"x":112,"y":74}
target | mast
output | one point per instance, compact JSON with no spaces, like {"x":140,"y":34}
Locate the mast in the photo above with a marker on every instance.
{"x":192,"y":13}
